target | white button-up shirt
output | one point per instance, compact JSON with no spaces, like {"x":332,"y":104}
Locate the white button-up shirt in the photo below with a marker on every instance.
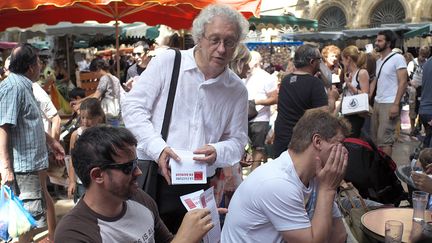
{"x":212,"y":111}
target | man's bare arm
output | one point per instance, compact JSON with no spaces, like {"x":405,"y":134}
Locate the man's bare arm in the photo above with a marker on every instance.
{"x":272,"y":98}
{"x":6,"y":170}
{"x":55,"y":127}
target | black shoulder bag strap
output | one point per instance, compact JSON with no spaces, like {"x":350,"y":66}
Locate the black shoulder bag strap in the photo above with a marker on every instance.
{"x":372,"y":99}
{"x":382,"y":65}
{"x":171,"y":94}
{"x":151,"y":176}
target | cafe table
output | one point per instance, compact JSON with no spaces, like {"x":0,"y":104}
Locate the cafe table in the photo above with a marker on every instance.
{"x":373,"y":222}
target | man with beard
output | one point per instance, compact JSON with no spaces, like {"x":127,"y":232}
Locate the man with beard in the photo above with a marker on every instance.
{"x":391,"y":83}
{"x":113,"y":208}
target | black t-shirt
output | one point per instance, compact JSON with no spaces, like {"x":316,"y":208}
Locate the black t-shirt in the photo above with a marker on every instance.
{"x":297,"y":94}
{"x":140,"y":69}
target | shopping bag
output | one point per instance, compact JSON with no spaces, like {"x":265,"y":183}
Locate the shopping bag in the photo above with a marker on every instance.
{"x":355,"y":104}
{"x":4,"y":215}
{"x":111,"y":107}
{"x":20,"y":220}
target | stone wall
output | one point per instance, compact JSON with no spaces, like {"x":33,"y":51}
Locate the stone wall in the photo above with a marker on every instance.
{"x":358,"y":12}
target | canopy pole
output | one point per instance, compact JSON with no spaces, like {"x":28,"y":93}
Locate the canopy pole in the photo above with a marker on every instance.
{"x":117,"y":55}
{"x":67,"y":56}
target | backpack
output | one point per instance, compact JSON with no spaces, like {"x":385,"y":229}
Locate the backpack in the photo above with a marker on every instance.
{"x":372,"y":172}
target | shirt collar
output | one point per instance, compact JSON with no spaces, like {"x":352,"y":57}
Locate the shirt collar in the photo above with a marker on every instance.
{"x":189,"y":59}
{"x":190,"y":63}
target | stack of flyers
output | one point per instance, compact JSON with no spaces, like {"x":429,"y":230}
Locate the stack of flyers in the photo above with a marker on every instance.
{"x":205,"y":199}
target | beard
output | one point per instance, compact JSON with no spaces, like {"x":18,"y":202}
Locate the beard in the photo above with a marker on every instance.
{"x":379,"y":49}
{"x":124,"y":191}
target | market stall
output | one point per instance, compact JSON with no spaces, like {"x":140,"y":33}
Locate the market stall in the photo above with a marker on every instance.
{"x":276,"y":54}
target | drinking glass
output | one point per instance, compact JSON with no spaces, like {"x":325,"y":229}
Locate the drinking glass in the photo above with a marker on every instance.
{"x":393,"y":231}
{"x":419,"y":200}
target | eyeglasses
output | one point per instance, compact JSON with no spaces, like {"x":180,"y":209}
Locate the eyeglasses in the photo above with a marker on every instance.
{"x":215,"y":41}
{"x":127,"y":168}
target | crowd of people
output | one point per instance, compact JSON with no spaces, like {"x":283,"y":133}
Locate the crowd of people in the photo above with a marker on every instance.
{"x":122,"y":133}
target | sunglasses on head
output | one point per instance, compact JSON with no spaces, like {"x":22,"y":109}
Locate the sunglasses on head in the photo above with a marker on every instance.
{"x":140,"y":53}
{"x":127,"y":168}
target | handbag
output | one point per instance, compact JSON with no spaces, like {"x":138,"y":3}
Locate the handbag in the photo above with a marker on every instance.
{"x":353,"y":215}
{"x":355,"y":104}
{"x":111,"y":106}
{"x":150,"y":167}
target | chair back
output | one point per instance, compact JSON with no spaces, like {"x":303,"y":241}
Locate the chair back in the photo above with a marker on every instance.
{"x":87,"y":81}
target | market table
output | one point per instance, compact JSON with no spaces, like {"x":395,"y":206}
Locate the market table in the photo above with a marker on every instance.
{"x":373,"y":222}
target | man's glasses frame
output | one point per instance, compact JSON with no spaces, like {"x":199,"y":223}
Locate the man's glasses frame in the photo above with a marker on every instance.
{"x":317,"y":58}
{"x":127,"y":168}
{"x":216,"y":41}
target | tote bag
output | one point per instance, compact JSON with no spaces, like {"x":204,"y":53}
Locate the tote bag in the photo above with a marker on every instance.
{"x":355,"y":104}
{"x":111,"y":106}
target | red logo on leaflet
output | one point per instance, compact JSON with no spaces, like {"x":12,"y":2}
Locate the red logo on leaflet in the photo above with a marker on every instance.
{"x":190,"y":204}
{"x":198,"y":175}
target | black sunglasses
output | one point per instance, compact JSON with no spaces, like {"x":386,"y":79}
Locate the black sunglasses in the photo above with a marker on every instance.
{"x":140,"y":53}
{"x":126,"y":168}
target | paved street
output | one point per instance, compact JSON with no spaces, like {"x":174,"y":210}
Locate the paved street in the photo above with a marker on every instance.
{"x":402,"y":150}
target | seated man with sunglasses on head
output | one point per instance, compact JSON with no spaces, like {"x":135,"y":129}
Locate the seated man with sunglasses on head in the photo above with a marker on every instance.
{"x":114,"y":209}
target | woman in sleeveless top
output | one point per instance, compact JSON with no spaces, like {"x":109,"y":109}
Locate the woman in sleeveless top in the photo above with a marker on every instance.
{"x":356,"y":82}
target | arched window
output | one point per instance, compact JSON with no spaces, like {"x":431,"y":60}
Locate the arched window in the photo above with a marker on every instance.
{"x":332,"y":19}
{"x":387,"y":12}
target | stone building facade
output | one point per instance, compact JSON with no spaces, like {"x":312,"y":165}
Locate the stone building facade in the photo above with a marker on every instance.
{"x":335,"y":15}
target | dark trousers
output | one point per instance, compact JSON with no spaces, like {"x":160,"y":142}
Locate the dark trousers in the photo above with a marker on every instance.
{"x":425,"y":118}
{"x":171,"y":210}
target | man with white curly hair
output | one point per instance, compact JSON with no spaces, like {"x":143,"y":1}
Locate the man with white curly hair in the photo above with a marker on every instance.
{"x":209,"y":115}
